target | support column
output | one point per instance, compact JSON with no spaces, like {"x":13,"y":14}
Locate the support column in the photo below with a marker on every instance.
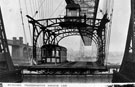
{"x":127,"y":69}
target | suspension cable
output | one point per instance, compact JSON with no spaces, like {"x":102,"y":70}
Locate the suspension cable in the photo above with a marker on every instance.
{"x":31,"y":7}
{"x":36,"y":5}
{"x":109,"y":29}
{"x":46,"y":6}
{"x":37,"y":11}
{"x":62,"y":11}
{"x":26,"y":7}
{"x":22,"y":22}
{"x":27,"y":22}
{"x":42,"y":12}
{"x":56,"y":8}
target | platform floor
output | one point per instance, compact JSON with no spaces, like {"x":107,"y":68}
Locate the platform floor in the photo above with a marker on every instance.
{"x":67,"y":65}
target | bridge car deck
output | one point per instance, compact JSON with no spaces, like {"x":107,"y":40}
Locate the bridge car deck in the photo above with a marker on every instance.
{"x":68,"y":65}
{"x":69,"y":68}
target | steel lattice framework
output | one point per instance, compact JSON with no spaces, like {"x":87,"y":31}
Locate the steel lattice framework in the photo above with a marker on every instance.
{"x":85,"y":25}
{"x":7,"y":63}
{"x":55,"y":29}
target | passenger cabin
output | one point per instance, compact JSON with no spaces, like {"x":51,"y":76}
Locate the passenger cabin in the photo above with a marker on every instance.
{"x":72,"y":17}
{"x":52,"y":54}
{"x":73,"y":10}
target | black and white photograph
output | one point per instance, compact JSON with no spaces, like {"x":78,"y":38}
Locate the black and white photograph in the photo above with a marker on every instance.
{"x":71,"y":42}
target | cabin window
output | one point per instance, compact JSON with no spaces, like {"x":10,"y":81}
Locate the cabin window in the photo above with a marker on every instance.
{"x":53,"y":53}
{"x":57,"y":53}
{"x":48,"y":60}
{"x":74,"y":13}
{"x":58,"y":60}
{"x":53,"y":60}
{"x":73,"y":10}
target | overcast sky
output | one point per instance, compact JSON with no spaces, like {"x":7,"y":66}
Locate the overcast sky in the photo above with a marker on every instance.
{"x":13,"y":25}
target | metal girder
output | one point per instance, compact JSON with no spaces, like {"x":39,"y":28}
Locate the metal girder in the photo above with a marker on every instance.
{"x":88,"y":7}
{"x":72,"y":22}
{"x":101,"y":32}
{"x":54,"y":29}
{"x":5,"y":59}
{"x":61,"y":33}
{"x":53,"y":22}
{"x":67,"y":34}
{"x":69,"y":1}
{"x":127,"y":71}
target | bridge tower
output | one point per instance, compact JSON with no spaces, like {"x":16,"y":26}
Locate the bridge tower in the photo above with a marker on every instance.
{"x":127,"y":71}
{"x":7,"y":71}
{"x":5,"y":59}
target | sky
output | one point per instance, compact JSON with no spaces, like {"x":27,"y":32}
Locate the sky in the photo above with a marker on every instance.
{"x":120,"y":24}
{"x":13,"y":23}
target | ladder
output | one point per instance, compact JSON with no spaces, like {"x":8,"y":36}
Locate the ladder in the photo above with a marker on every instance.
{"x":6,"y":63}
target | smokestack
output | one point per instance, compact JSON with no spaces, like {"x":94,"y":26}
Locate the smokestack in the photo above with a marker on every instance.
{"x":21,"y":40}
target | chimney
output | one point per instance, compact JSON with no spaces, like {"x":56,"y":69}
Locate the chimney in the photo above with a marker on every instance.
{"x":21,"y":40}
{"x":14,"y":40}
